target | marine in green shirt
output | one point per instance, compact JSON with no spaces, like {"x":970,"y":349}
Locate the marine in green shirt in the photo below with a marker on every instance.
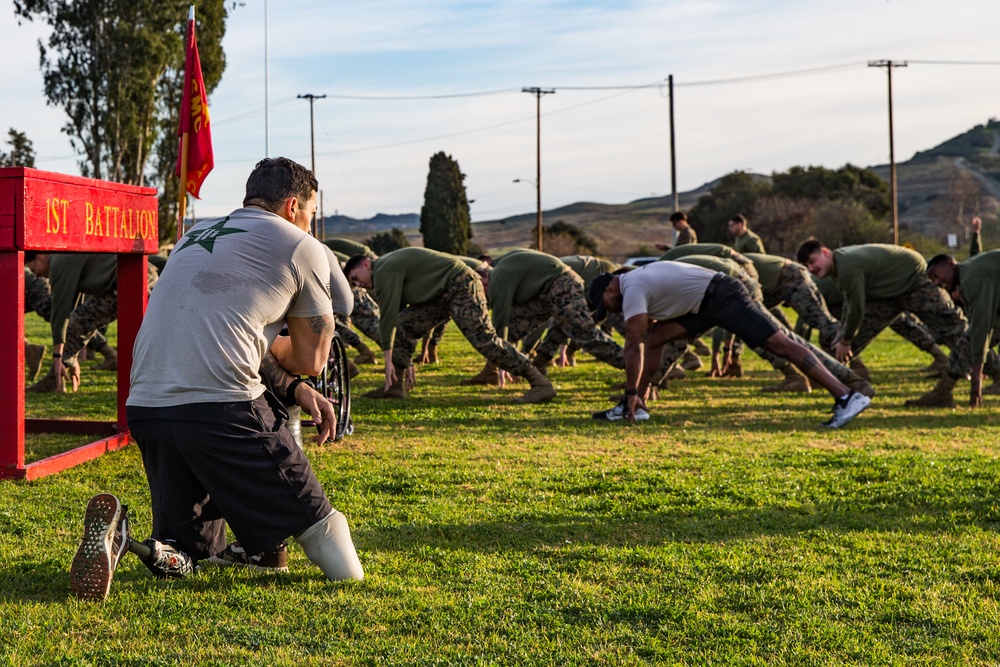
{"x":527,"y":288}
{"x":416,"y":289}
{"x":976,"y":282}
{"x":879,"y":282}
{"x":744,"y":240}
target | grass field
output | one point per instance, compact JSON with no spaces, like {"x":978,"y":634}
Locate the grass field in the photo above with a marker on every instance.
{"x":728,"y":530}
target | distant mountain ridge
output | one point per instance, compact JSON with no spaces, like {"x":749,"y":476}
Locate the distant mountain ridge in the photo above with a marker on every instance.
{"x":969,"y":162}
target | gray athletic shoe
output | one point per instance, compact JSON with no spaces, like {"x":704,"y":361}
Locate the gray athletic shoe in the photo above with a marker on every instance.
{"x":618,"y":413}
{"x":844,"y":410}
{"x":105,"y":540}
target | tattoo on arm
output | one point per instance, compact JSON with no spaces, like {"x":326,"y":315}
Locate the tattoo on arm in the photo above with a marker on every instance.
{"x":321,"y":324}
{"x":276,"y":377}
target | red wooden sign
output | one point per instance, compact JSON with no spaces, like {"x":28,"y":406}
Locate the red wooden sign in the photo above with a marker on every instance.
{"x":45,"y":211}
{"x":49,"y":212}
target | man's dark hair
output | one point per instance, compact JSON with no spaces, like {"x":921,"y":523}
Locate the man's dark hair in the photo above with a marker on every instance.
{"x":739,"y":217}
{"x":678,"y":216}
{"x":274,"y":180}
{"x":353,"y":263}
{"x":936,"y":260}
{"x":29,"y":256}
{"x":808,"y":247}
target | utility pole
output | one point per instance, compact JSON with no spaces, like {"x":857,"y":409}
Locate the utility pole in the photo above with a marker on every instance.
{"x":538,"y":92}
{"x":312,"y":138}
{"x":673,"y":151}
{"x":267,"y":105}
{"x":888,"y":65}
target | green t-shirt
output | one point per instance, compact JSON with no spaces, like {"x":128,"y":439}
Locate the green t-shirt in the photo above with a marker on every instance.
{"x":749,"y":242}
{"x":517,"y":278}
{"x":979,"y":284}
{"x":589,"y":267}
{"x":768,"y":270}
{"x":349,"y":247}
{"x":409,"y":276}
{"x":72,"y":274}
{"x":872,"y":271}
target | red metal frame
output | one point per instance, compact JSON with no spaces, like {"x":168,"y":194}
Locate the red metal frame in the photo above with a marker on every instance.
{"x":48,"y":212}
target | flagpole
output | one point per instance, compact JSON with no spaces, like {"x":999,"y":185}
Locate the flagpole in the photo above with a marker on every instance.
{"x":182,"y":204}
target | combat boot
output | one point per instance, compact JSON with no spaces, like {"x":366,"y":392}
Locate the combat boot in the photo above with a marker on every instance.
{"x":700,"y":348}
{"x":395,"y":390}
{"x":794,"y":382}
{"x":489,"y":375}
{"x":110,"y":355}
{"x":691,"y":361}
{"x":941,"y":396}
{"x":352,"y":369}
{"x":365,"y":355}
{"x":676,"y":373}
{"x":735,"y":368}
{"x":432,"y":352}
{"x":46,"y":384}
{"x":858,"y":366}
{"x":34,"y":355}
{"x":541,"y":389}
{"x":862,"y":386}
{"x":542,"y":363}
{"x":940,"y":363}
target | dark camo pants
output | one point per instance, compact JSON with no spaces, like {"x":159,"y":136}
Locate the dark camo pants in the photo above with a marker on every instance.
{"x":566,"y":305}
{"x":94,"y":313}
{"x":907,"y":325}
{"x":37,"y":295}
{"x":797,"y":290}
{"x":464,"y":301}
{"x":943,"y":319}
{"x":960,"y":358}
{"x":365,"y":315}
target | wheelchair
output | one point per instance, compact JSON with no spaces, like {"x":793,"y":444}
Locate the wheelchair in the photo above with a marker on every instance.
{"x":335,"y":384}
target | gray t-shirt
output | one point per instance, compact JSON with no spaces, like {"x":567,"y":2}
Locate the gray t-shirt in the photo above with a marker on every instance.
{"x":213,"y":315}
{"x":340,"y":289}
{"x":664,"y":290}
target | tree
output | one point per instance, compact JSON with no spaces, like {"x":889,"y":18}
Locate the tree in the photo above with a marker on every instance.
{"x":387,"y":242}
{"x":108,"y":64}
{"x":562,"y":239}
{"x":964,"y":198}
{"x":22,"y":153}
{"x":735,"y":193}
{"x":787,"y":222}
{"x":849,"y":182}
{"x":444,"y":218}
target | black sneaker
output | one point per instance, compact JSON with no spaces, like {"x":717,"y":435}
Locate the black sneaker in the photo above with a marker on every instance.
{"x":618,"y":413}
{"x":105,"y":540}
{"x":266,"y":561}
{"x":846,"y":409}
{"x":163,"y":559}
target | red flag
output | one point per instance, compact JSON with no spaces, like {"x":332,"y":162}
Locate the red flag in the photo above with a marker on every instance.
{"x":194,"y":119}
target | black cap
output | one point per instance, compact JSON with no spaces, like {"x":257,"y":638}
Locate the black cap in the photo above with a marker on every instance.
{"x":597,"y":288}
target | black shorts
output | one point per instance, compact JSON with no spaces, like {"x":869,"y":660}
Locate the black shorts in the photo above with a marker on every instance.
{"x":209,"y":464}
{"x":727,"y":304}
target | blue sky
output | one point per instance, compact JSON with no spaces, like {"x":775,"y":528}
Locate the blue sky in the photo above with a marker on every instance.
{"x":606,"y":143}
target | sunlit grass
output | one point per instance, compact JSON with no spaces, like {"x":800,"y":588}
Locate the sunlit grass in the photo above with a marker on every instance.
{"x":730,"y":529}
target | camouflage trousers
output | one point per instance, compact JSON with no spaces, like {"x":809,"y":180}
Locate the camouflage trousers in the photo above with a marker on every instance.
{"x":565,"y":304}
{"x":464,"y":301}
{"x":939,"y":314}
{"x":960,"y":358}
{"x":37,"y":295}
{"x":797,"y":290}
{"x":907,"y":325}
{"x":93,"y":314}
{"x":365,"y":315}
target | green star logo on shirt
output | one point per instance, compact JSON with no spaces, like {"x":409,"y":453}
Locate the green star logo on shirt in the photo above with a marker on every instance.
{"x":206,"y":238}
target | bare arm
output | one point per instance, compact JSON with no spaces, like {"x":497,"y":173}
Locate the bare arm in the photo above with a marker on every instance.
{"x":308,"y":347}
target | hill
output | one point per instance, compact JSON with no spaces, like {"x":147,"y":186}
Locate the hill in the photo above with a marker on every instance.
{"x":956,"y":179}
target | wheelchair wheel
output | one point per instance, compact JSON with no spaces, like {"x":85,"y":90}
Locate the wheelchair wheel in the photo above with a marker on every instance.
{"x":335,"y":385}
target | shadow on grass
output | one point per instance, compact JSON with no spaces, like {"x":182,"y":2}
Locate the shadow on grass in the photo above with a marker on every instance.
{"x":683,"y":526}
